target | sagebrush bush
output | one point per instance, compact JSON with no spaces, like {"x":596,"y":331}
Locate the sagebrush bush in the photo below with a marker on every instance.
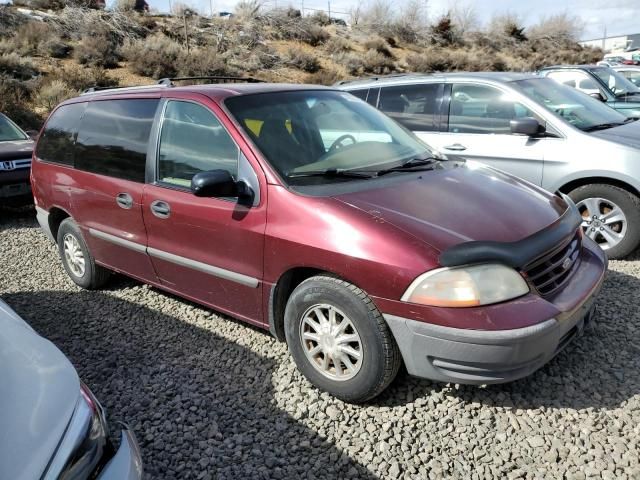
{"x":14,"y":102}
{"x":51,"y":94}
{"x":16,"y":66}
{"x":285,"y":27}
{"x":80,"y":78}
{"x":101,"y":50}
{"x":337,"y":45}
{"x":307,"y":62}
{"x":203,"y":62}
{"x":380,"y":46}
{"x":366,"y":63}
{"x":156,"y":56}
{"x":324,"y":77}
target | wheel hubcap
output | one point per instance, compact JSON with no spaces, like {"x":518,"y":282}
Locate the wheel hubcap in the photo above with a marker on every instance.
{"x":603,"y":221}
{"x":331,"y":342}
{"x":73,"y":255}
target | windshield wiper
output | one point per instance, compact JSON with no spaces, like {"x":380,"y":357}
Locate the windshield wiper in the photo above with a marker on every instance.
{"x":602,"y":126}
{"x":329,"y":172}
{"x":413,"y":165}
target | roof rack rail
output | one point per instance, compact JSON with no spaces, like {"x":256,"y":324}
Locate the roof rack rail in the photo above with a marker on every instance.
{"x":125,"y":87}
{"x":379,"y":77}
{"x":169,"y":81}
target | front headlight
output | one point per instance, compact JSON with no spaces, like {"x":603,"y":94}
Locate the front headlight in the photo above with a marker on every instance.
{"x":469,"y":286}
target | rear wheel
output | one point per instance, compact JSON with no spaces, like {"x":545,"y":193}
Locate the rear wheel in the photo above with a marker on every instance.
{"x":76,"y":258}
{"x":611,"y":217}
{"x":339,"y":339}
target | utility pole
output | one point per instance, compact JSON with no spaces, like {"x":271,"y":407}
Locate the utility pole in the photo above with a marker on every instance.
{"x":186,"y":33}
{"x":302,"y":8}
{"x":329,"y":5}
{"x":604,"y":37}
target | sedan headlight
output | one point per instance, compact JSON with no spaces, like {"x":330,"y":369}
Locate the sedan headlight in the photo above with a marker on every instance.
{"x":469,"y":286}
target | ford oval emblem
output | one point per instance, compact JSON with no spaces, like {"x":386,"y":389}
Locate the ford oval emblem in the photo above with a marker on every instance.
{"x":567,"y":263}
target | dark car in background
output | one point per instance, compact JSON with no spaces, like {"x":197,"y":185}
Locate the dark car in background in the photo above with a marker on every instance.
{"x":16,"y":148}
{"x":51,"y":425}
{"x":603,"y":83}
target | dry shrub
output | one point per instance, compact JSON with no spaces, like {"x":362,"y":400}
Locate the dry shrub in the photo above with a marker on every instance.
{"x":285,"y":27}
{"x":10,"y":20}
{"x":14,"y":98}
{"x":369,"y":62}
{"x":80,"y":78}
{"x":99,"y":50}
{"x":298,"y":58}
{"x":51,"y":94}
{"x":16,"y":66}
{"x":452,"y":60}
{"x":337,"y":45}
{"x":202,"y":63}
{"x":324,"y":77}
{"x":156,"y":56}
{"x":380,"y":46}
{"x":320,"y":18}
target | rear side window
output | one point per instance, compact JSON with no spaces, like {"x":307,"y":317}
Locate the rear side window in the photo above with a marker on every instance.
{"x":113,"y":138}
{"x":57,"y":140}
{"x":361,"y":94}
{"x":192,"y":140}
{"x":414,"y":106}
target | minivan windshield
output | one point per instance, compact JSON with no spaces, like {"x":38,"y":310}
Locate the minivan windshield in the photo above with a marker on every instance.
{"x":9,"y":131}
{"x":616,"y":82}
{"x":309,"y":132}
{"x":573,"y":106}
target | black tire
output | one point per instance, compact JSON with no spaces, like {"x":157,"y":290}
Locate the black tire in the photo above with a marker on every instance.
{"x":94,"y":276}
{"x":628,"y":203}
{"x":380,"y":354}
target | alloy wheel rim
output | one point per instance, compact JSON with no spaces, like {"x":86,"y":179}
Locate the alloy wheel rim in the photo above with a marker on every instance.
{"x":603,"y":221}
{"x":73,"y":255}
{"x":331,"y":342}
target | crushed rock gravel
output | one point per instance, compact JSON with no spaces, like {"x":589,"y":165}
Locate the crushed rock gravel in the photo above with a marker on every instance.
{"x":212,"y":398}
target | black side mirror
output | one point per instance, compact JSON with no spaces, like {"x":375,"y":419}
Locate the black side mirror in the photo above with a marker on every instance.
{"x":33,"y":134}
{"x":214,"y":183}
{"x":598,"y":96}
{"x":526,"y":126}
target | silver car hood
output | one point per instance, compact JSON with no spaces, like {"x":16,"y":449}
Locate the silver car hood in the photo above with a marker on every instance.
{"x":627,"y":135}
{"x":39,"y":389}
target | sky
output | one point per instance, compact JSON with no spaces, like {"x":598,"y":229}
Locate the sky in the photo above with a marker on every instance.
{"x":618,"y":16}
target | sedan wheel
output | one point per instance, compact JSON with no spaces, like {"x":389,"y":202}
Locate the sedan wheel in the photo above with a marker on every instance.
{"x":603,"y":221}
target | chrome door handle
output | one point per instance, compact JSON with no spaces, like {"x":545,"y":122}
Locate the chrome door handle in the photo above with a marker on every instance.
{"x":124,"y":200}
{"x":160,"y":209}
{"x":456,"y":147}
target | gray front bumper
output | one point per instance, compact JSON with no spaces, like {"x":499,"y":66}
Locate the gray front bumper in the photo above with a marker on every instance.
{"x":483,"y":357}
{"x":126,"y":464}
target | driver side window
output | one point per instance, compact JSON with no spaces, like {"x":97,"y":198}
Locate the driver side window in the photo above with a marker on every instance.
{"x":193,"y":140}
{"x":484,"y":110}
{"x":576,"y":79}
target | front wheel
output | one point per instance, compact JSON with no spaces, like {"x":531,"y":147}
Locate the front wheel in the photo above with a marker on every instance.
{"x":610,"y":217}
{"x":339,"y":340}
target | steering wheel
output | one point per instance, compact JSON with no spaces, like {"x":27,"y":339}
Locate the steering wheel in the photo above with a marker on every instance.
{"x":338,"y":143}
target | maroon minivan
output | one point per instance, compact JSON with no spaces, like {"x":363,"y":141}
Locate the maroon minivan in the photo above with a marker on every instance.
{"x":305,"y":211}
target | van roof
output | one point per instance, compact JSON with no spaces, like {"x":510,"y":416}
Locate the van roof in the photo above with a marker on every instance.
{"x":422,"y":77}
{"x":216,"y":91}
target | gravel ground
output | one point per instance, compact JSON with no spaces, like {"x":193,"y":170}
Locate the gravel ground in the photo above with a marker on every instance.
{"x":209,"y":397}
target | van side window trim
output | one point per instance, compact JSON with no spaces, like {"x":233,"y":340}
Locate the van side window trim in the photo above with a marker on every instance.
{"x":178,"y":260}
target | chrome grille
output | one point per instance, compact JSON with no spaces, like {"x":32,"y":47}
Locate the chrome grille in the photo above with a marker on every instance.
{"x":552,"y":270}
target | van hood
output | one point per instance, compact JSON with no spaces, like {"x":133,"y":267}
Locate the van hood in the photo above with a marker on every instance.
{"x":16,"y":149}
{"x":450,"y":206}
{"x":627,"y":135}
{"x":39,"y":389}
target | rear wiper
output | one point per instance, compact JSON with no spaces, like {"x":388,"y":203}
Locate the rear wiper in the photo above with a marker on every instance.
{"x":415,"y":164}
{"x":329,"y":172}
{"x":603,"y":126}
